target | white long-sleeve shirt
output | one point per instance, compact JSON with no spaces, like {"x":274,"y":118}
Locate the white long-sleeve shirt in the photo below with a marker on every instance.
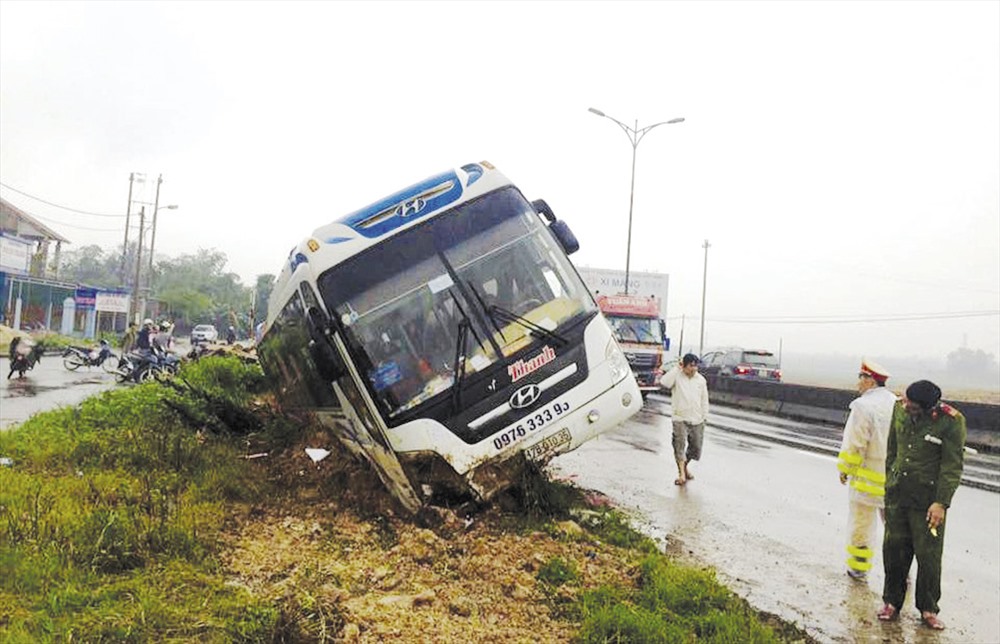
{"x":688,"y":395}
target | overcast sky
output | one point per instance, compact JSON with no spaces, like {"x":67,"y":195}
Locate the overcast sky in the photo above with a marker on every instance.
{"x":842,"y":158}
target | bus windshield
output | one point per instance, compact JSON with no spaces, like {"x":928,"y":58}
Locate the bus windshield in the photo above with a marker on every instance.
{"x":403,"y":303}
{"x":630,"y":329}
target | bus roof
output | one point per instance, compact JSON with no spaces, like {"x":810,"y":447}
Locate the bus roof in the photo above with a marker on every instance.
{"x":347,"y":236}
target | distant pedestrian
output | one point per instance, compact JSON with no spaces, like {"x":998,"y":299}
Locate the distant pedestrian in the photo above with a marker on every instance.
{"x":924,"y":458}
{"x":231,"y":335}
{"x":129,"y":337}
{"x":689,"y":399}
{"x":862,"y":462}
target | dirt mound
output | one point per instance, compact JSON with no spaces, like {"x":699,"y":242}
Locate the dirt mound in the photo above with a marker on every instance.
{"x":336,"y":555}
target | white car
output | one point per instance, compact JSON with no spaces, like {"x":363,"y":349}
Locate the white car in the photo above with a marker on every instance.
{"x":204,"y":333}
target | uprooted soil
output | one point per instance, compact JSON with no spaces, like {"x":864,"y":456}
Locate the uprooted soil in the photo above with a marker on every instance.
{"x":344,"y":564}
{"x":351,"y":567}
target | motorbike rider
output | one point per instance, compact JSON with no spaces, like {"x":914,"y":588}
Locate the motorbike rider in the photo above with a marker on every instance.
{"x":142,"y":340}
{"x":24,"y":353}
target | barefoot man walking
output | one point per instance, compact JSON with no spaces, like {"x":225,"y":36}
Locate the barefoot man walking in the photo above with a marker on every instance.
{"x":689,"y":398}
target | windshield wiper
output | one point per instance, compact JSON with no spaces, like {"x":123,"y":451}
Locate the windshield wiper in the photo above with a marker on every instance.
{"x":486,"y":308}
{"x":532,"y":328}
{"x":464,"y":326}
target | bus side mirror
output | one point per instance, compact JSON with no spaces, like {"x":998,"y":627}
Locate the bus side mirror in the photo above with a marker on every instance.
{"x":560,"y":229}
{"x":565,"y":236}
{"x":321,"y":350}
{"x":543,"y":209}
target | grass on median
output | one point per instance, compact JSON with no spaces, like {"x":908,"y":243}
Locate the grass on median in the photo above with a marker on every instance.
{"x":110,"y":517}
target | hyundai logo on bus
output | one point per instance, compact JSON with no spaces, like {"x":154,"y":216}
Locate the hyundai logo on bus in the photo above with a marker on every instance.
{"x":525,"y":396}
{"x":411,"y":207}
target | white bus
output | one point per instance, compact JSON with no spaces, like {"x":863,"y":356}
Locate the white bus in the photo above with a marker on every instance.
{"x":444,"y":336}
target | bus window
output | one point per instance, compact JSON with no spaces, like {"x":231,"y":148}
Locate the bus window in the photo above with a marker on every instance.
{"x":286,"y":348}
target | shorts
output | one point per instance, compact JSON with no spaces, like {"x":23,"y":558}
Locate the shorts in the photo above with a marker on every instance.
{"x":688,"y":438}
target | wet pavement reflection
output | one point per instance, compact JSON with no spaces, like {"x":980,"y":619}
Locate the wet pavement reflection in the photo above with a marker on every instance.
{"x":47,"y":386}
{"x":771,"y":519}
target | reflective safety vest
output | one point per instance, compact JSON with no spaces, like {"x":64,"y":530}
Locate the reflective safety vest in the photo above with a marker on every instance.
{"x":862,"y":479}
{"x":862,"y":453}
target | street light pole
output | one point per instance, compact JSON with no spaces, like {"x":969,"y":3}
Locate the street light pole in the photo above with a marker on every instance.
{"x":152,"y":241}
{"x":704,"y":284}
{"x":635,"y":135}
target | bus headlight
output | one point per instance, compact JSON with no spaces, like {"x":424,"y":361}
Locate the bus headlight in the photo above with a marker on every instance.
{"x":617,"y":362}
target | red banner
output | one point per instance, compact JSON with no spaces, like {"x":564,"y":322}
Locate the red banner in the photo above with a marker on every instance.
{"x":646,"y":307}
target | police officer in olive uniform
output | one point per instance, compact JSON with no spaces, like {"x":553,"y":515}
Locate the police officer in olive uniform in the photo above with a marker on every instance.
{"x":924,"y":467}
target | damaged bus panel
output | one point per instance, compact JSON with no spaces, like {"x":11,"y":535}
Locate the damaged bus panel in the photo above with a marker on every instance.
{"x":444,"y":336}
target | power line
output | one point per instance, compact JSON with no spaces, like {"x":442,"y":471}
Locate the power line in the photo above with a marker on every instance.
{"x":53,"y":221}
{"x":857,"y":320}
{"x":82,"y":212}
{"x":837,"y":269}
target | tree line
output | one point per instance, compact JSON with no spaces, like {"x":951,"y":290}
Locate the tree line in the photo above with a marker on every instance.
{"x":189,"y":289}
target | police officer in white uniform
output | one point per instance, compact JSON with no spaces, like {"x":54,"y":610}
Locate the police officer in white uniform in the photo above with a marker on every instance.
{"x":862,"y":464}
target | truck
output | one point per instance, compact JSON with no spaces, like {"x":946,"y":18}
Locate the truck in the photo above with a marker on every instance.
{"x":636,"y":318}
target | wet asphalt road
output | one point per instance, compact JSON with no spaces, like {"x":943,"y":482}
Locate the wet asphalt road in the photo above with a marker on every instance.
{"x":48,"y":386}
{"x":771,"y":519}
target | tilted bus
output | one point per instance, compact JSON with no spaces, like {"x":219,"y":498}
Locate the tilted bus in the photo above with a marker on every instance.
{"x":444,"y":336}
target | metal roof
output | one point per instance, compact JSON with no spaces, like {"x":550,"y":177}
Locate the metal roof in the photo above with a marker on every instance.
{"x":20,"y":223}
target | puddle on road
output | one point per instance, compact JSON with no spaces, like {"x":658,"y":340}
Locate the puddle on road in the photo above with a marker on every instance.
{"x":735,"y":441}
{"x":24,"y":388}
{"x":28,"y":387}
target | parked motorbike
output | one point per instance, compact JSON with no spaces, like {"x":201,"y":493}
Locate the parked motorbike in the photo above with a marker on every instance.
{"x":141,"y":366}
{"x":24,"y":356}
{"x":75,"y":357}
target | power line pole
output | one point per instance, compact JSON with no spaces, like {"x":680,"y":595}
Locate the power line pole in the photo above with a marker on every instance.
{"x":152,"y":241}
{"x":704,"y":284}
{"x":138,"y":266}
{"x":128,"y":213}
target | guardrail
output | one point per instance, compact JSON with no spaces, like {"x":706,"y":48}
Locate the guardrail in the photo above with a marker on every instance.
{"x":828,"y":405}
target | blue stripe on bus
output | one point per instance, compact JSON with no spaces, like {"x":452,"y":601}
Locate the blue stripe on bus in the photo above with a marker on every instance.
{"x":337,"y":240}
{"x":474,"y":170}
{"x":405,"y":198}
{"x":297,"y":259}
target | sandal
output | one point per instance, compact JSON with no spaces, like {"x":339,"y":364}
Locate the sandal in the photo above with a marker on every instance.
{"x":931,"y":621}
{"x":679,"y":481}
{"x":888,"y":613}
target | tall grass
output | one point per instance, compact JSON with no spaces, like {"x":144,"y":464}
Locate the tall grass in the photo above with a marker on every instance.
{"x":110,"y":516}
{"x":671,"y":603}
